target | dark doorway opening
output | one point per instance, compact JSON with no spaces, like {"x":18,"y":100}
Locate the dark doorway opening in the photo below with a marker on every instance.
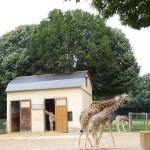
{"x":15,"y":116}
{"x":49,"y":106}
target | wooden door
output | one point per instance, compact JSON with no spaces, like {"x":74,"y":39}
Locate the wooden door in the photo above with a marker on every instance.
{"x":15,"y":117}
{"x":61,"y":115}
{"x":25,"y":116}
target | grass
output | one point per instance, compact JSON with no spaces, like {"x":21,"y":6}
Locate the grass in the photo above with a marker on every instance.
{"x":137,"y":126}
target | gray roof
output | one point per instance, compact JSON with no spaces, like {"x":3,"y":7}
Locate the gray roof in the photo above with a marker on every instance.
{"x":48,"y":81}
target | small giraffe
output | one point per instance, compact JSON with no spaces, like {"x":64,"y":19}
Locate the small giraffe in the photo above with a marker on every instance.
{"x":94,"y":108}
{"x":121,"y":120}
{"x":51,"y":118}
{"x":99,"y":121}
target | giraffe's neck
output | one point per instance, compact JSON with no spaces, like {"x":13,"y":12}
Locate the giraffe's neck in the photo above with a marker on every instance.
{"x":100,"y":105}
{"x":48,"y":112}
{"x":114,"y":107}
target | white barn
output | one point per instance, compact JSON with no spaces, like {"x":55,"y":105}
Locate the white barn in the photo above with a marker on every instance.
{"x":66,"y":95}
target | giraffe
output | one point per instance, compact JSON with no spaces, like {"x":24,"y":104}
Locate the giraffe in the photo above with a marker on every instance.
{"x":121,"y":120}
{"x":99,"y":121}
{"x":51,"y":118}
{"x":94,"y":108}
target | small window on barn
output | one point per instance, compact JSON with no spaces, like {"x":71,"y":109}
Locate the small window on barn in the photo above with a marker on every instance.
{"x":86,"y":81}
{"x":70,"y":118}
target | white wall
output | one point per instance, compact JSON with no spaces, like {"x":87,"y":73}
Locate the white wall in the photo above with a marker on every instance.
{"x":74,"y":99}
{"x":37,"y":121}
{"x":88,"y":87}
{"x":86,"y":93}
{"x":86,"y":99}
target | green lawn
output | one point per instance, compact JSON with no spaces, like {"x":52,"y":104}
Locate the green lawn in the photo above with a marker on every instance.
{"x":137,"y":126}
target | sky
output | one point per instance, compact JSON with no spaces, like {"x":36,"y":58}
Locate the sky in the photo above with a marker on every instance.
{"x":14,"y":13}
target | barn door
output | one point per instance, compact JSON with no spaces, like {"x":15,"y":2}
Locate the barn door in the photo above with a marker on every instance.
{"x":61,"y":115}
{"x":15,"y":117}
{"x":25,"y":116}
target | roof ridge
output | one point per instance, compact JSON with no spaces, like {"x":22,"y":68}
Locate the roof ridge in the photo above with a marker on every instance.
{"x":39,"y":75}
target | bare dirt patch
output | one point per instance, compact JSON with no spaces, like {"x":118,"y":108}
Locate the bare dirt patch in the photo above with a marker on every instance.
{"x":64,"y":141}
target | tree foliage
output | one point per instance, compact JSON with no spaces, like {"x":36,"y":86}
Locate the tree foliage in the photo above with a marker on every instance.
{"x":134,"y":13}
{"x":66,"y":42}
{"x":141,"y":95}
{"x":77,"y":40}
{"x":14,"y":59}
{"x":127,"y":73}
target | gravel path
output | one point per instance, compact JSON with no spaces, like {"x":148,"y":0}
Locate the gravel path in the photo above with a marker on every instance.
{"x":65,"y":141}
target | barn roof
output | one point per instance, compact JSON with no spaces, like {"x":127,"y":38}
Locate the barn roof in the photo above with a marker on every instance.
{"x":47,"y":81}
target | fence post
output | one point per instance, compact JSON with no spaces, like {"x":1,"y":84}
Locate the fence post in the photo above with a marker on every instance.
{"x":146,"y":121}
{"x":129,"y":121}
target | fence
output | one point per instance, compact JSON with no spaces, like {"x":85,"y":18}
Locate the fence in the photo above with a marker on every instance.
{"x":2,"y":126}
{"x":139,"y":121}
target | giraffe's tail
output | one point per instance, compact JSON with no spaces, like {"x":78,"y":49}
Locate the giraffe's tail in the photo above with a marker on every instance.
{"x":89,"y":130}
{"x":81,"y":131}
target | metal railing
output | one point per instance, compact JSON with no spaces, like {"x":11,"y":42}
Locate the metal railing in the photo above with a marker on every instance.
{"x":139,"y":121}
{"x":2,"y":125}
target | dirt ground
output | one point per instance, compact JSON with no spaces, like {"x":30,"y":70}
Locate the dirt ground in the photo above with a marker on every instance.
{"x":66,"y":141}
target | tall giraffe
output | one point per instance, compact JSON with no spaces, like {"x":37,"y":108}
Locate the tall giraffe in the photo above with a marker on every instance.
{"x":94,"y":108}
{"x":99,"y":121}
{"x":51,"y":118}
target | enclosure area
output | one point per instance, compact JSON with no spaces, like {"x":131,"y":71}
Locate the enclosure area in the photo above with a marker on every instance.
{"x":139,"y":121}
{"x":67,"y":141}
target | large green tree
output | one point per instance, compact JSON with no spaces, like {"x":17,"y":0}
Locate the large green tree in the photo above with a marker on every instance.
{"x":14,"y":58}
{"x":67,"y":41}
{"x":134,"y":13}
{"x":77,"y":40}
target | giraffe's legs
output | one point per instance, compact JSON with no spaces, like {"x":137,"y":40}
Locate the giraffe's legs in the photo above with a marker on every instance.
{"x":95,"y":140}
{"x":87,"y":138}
{"x":118,"y":128}
{"x":81,"y":132}
{"x":123,"y":126}
{"x":51,"y":125}
{"x":112,"y":136}
{"x":100,"y":135}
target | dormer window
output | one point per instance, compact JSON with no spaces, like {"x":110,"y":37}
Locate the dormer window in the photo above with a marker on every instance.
{"x":86,"y":81}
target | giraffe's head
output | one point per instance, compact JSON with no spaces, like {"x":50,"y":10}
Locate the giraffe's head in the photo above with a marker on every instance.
{"x":125,"y":96}
{"x":117,"y":97}
{"x":122,"y":97}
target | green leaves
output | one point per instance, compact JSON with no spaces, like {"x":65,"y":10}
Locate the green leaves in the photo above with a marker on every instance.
{"x":14,"y":57}
{"x":77,"y":40}
{"x":70,"y":41}
{"x":141,"y":95}
{"x":133,"y":13}
{"x":127,"y":70}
